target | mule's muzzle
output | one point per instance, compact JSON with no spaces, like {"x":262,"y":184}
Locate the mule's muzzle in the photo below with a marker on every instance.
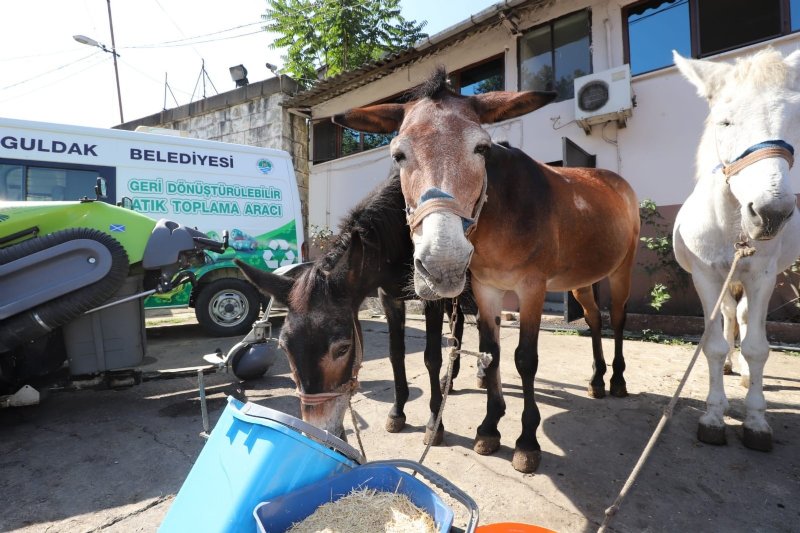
{"x":327,"y":415}
{"x":442,"y":284}
{"x":764,"y":222}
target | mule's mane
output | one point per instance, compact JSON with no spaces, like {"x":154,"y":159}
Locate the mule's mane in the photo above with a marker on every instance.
{"x":435,"y":87}
{"x":763,"y":69}
{"x":380,"y":222}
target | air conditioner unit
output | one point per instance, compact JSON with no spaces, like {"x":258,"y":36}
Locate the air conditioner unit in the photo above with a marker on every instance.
{"x":604,"y":97}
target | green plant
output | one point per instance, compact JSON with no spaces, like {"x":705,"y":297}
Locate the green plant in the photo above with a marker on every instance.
{"x":659,"y":295}
{"x":650,"y":335}
{"x":324,"y":38}
{"x":667,"y":273}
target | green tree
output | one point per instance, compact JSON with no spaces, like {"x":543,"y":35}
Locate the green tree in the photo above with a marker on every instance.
{"x":337,"y":35}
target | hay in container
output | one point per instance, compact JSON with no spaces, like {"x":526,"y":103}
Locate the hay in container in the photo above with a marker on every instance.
{"x":367,"y":511}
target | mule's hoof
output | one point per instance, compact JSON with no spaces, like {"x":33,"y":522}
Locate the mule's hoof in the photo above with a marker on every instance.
{"x":757,"y":440}
{"x":727,"y":368}
{"x":526,"y":461}
{"x":596,"y":391}
{"x":438,"y":438}
{"x":618,"y":391}
{"x":443,"y":385}
{"x":482,"y":383}
{"x":395,"y":424}
{"x":486,"y":445}
{"x":711,"y":434}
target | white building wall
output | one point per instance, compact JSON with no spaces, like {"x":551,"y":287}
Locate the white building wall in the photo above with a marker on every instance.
{"x":655,"y":152}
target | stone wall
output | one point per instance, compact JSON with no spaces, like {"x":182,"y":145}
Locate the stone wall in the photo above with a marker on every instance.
{"x":250,"y":115}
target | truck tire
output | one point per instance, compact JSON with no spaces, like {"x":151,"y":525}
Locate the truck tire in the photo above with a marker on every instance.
{"x":227,"y":307}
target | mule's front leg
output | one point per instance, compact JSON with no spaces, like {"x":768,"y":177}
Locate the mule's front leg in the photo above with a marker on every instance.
{"x":755,"y":350}
{"x":490,"y":301}
{"x":433,"y":362}
{"x":458,"y":333}
{"x":711,"y":428}
{"x":527,"y":452}
{"x":395,"y":319}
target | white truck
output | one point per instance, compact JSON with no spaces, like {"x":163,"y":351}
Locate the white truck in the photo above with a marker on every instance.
{"x":249,"y":192}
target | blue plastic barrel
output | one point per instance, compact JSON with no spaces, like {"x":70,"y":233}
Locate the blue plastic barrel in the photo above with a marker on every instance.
{"x":253,"y":454}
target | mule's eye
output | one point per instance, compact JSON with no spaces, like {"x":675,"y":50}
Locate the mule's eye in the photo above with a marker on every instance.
{"x":725,"y":123}
{"x":341,"y":350}
{"x":482,"y":150}
{"x":399,"y":157}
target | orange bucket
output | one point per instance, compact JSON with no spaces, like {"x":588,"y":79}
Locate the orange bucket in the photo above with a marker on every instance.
{"x":511,"y":527}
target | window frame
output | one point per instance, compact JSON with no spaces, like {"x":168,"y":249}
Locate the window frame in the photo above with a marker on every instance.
{"x":694,"y":32}
{"x":455,"y":77}
{"x":551,"y":24}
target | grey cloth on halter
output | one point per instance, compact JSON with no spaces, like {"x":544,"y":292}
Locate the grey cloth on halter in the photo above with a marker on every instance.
{"x":434,"y":200}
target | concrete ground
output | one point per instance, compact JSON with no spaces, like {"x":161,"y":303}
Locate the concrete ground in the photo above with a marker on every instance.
{"x":113,"y":460}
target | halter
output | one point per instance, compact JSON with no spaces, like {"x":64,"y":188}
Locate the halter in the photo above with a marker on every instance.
{"x":757,"y":152}
{"x":435,"y":200}
{"x":347,"y":387}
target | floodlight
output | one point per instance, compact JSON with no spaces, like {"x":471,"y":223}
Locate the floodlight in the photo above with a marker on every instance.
{"x":239,"y":75}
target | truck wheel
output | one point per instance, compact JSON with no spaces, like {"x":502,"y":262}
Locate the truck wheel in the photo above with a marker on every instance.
{"x":227,"y":307}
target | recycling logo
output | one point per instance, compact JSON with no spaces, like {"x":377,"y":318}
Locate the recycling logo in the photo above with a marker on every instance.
{"x":278,"y":253}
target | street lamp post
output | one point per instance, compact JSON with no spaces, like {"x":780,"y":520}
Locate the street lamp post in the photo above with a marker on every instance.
{"x":91,"y":42}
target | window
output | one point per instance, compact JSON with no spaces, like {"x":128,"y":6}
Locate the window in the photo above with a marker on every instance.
{"x":20,"y":181}
{"x":553,"y":55}
{"x":482,"y":78}
{"x":699,"y":28}
{"x":332,"y":141}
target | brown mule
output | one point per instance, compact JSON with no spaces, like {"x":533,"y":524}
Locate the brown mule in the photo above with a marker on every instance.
{"x":541,"y":228}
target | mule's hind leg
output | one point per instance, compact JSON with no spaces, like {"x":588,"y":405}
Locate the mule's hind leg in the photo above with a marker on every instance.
{"x":433,"y":362}
{"x":742,"y":317}
{"x":729,"y":326}
{"x":395,"y":311}
{"x":619,"y":283}
{"x":585,"y":297}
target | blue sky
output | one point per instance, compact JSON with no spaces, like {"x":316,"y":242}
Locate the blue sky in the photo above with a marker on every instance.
{"x":46,"y":75}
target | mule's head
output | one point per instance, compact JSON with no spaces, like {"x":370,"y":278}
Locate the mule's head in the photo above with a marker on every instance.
{"x":320,"y":335}
{"x":752,"y":127}
{"x":441,"y":151}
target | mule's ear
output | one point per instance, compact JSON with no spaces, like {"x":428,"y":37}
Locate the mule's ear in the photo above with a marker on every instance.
{"x":351,"y":265}
{"x":793,"y":62}
{"x":381,"y":118}
{"x":268,"y":283}
{"x":706,"y":76}
{"x":501,"y":105}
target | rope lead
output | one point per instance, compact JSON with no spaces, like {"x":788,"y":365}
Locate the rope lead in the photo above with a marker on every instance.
{"x":742,"y":250}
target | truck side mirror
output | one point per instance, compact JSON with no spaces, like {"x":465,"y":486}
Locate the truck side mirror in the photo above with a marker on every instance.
{"x":100,"y":188}
{"x":126,"y":203}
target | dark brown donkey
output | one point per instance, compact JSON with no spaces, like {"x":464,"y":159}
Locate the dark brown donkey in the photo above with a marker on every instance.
{"x":541,"y":228}
{"x":322,"y":335}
